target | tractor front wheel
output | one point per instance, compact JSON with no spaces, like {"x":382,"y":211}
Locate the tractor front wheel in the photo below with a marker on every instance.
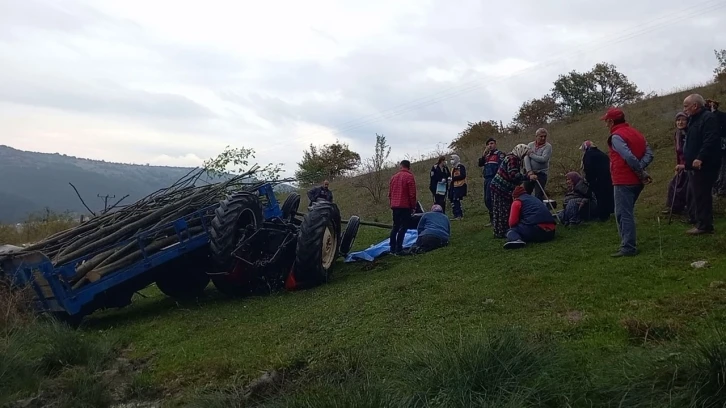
{"x":318,"y":244}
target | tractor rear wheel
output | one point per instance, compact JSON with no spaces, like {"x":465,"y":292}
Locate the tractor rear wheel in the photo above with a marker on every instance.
{"x":318,"y":244}
{"x":236,"y":216}
{"x":184,"y":278}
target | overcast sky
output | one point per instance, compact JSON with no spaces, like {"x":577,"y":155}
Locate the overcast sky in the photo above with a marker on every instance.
{"x":172,"y":83}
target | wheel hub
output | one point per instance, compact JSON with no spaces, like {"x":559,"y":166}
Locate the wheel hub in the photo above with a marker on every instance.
{"x":329,"y":245}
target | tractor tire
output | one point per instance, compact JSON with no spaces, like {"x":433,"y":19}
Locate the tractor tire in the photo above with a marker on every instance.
{"x":231,"y":219}
{"x":290,"y":207}
{"x":184,"y":278}
{"x":318,"y":244}
{"x":348,"y":238}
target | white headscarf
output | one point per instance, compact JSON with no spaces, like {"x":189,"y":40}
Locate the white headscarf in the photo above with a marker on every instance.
{"x":455,"y":160}
{"x":520,"y":150}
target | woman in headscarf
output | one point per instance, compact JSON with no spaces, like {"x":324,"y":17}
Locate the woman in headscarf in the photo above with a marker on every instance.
{"x":458,"y":187}
{"x":676,"y":200}
{"x":509,"y":176}
{"x":578,"y":203}
{"x":596,"y":168}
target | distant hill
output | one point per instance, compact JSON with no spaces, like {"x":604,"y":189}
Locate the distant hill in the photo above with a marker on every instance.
{"x":31,"y":181}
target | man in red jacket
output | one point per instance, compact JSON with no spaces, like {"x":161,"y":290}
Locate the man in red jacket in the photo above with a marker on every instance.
{"x":402,"y":196}
{"x":629,"y":155}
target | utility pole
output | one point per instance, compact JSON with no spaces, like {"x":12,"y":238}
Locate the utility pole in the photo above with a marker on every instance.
{"x":105,"y":200}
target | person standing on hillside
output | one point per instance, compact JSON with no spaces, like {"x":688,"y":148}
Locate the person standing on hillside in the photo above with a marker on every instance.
{"x":537,"y":161}
{"x":702,"y":155}
{"x":630,"y":154}
{"x":458,"y":188}
{"x":596,"y":168}
{"x":321,"y":193}
{"x":489,"y":162}
{"x":676,"y":200}
{"x":439,"y":173}
{"x":719,"y":189}
{"x":402,"y":198}
{"x":509,"y":176}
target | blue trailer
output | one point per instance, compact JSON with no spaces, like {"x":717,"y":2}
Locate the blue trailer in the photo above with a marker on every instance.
{"x":243,"y":244}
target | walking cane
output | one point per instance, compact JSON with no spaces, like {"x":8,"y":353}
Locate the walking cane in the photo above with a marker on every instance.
{"x":548,"y":201}
{"x":673,"y":200}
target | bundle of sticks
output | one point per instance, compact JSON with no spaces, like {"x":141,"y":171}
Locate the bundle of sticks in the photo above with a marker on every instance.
{"x":115,"y":239}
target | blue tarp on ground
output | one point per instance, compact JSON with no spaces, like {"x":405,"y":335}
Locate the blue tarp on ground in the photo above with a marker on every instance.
{"x":376,"y":250}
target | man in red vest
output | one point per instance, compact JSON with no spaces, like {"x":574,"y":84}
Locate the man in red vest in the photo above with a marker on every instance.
{"x":402,"y":197}
{"x":629,"y":154}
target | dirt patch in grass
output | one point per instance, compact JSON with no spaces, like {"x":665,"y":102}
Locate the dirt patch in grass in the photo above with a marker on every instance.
{"x":641,"y":332}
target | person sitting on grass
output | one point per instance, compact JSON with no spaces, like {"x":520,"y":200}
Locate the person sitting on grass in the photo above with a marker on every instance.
{"x":529,"y":219}
{"x":434,"y":230}
{"x":579,"y":202}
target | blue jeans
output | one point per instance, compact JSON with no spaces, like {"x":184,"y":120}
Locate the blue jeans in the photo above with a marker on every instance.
{"x":488,"y":197}
{"x":529,"y":233}
{"x":625,"y":198}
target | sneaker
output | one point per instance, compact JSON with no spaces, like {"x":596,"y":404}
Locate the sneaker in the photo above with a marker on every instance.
{"x":621,"y":254}
{"x":696,"y":231}
{"x":514,"y":244}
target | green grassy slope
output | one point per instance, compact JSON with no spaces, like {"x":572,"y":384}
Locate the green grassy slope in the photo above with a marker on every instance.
{"x":605,"y":313}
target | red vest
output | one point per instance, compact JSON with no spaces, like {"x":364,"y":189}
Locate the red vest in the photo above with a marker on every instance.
{"x":621,"y":173}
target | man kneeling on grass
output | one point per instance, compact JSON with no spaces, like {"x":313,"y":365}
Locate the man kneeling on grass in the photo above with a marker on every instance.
{"x":529,"y":219}
{"x":434,"y":230}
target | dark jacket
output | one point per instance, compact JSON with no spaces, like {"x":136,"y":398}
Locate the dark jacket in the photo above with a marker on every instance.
{"x":722,"y":124}
{"x":437,"y":174}
{"x":596,"y":169}
{"x":490,"y":163}
{"x":703,"y":141}
{"x":534,"y":211}
{"x":458,"y":187}
{"x":319,"y":192}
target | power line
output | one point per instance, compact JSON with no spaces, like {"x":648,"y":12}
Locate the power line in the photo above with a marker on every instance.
{"x":469,"y":86}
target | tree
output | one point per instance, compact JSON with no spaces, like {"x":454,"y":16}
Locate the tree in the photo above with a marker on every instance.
{"x":373,"y":180}
{"x":329,"y":161}
{"x":476,"y":133}
{"x":233,"y":161}
{"x":596,"y":89}
{"x":537,"y":112}
{"x":720,"y":70}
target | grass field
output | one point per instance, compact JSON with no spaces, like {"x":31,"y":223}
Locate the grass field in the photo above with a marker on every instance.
{"x":559,"y":324}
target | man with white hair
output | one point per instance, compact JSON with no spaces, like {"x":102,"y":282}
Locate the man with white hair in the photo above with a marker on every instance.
{"x":702,"y":155}
{"x":537,"y":161}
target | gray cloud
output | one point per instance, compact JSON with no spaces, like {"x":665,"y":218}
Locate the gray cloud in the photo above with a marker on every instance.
{"x":378,"y":85}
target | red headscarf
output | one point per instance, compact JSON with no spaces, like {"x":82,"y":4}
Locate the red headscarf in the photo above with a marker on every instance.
{"x":518,"y":191}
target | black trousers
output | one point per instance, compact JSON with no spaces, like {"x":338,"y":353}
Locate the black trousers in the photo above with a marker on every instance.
{"x":401,"y":218}
{"x":440,"y":200}
{"x":700,"y":185}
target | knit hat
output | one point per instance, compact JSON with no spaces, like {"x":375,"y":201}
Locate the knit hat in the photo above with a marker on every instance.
{"x":679,"y":114}
{"x":436,"y":208}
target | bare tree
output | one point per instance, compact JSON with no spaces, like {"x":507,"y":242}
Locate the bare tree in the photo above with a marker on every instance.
{"x":373,"y":179}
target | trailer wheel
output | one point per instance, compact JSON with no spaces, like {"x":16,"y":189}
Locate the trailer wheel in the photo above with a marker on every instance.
{"x":184,"y":278}
{"x":318,"y":244}
{"x":232,"y":218}
{"x":348,"y":238}
{"x":290,"y":206}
